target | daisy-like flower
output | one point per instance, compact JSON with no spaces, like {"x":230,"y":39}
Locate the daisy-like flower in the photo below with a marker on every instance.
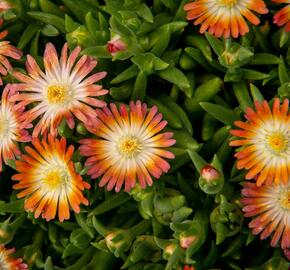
{"x":12,"y":127}
{"x":62,"y":91}
{"x":6,"y":50}
{"x":48,"y":179}
{"x":265,"y":142}
{"x":129,"y":146}
{"x":282,"y":17}
{"x":8,"y":262}
{"x":270,"y":205}
{"x":225,"y":17}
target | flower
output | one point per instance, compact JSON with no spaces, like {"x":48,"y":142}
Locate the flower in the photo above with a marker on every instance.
{"x":6,"y":50}
{"x":270,"y":204}
{"x":188,"y":267}
{"x":128,"y":147}
{"x":225,"y":17}
{"x":265,"y":142}
{"x":283,"y":16}
{"x":4,"y":5}
{"x":12,"y":127}
{"x":62,"y":91}
{"x":115,"y":45}
{"x":48,"y":179}
{"x":8,"y":262}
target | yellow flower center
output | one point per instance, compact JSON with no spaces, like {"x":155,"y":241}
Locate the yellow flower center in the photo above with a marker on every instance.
{"x":285,"y":199}
{"x":129,"y":146}
{"x":227,"y":3}
{"x":277,"y":142}
{"x":3,"y":127}
{"x":55,"y":178}
{"x":57,"y":94}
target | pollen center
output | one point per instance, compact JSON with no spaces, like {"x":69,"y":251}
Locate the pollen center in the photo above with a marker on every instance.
{"x":228,"y":3}
{"x":55,"y":178}
{"x":129,"y":146}
{"x":57,"y":94}
{"x":277,"y":142}
{"x":285,"y":199}
{"x":3,"y":128}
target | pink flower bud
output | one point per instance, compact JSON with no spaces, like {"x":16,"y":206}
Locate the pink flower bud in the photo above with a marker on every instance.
{"x":187,"y":241}
{"x":209,"y":173}
{"x":115,"y":45}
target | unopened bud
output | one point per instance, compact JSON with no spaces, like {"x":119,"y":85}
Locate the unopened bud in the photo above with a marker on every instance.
{"x":209,"y":173}
{"x":188,"y":267}
{"x":115,"y":45}
{"x":187,"y":241}
{"x":211,"y":181}
{"x":118,"y":242}
{"x":169,"y":250}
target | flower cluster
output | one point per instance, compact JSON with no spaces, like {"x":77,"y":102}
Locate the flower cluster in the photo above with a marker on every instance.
{"x":265,"y":153}
{"x":128,"y":148}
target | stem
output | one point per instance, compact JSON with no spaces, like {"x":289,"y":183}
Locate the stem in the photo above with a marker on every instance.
{"x":38,"y":238}
{"x":228,"y":43}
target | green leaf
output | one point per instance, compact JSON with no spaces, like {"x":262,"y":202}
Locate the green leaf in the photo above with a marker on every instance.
{"x":110,"y":203}
{"x":12,"y":207}
{"x":177,"y":77}
{"x":216,"y":44}
{"x":48,"y":18}
{"x":97,"y":51}
{"x":50,"y":31}
{"x":250,"y":74}
{"x":145,"y":12}
{"x":220,"y":113}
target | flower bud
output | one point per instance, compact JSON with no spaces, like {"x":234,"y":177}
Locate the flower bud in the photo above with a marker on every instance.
{"x":211,"y":180}
{"x":118,"y":242}
{"x":115,"y":45}
{"x":187,"y":241}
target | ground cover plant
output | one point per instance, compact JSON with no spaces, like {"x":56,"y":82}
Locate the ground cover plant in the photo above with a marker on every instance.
{"x":145,"y":134}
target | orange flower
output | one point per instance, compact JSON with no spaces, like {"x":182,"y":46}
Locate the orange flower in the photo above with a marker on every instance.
{"x":12,"y":127}
{"x":225,"y":17}
{"x":265,"y":142}
{"x":282,"y":17}
{"x":128,"y":147}
{"x":48,"y":179}
{"x":6,"y":50}
{"x":62,"y":91}
{"x":8,"y":262}
{"x":270,"y":205}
